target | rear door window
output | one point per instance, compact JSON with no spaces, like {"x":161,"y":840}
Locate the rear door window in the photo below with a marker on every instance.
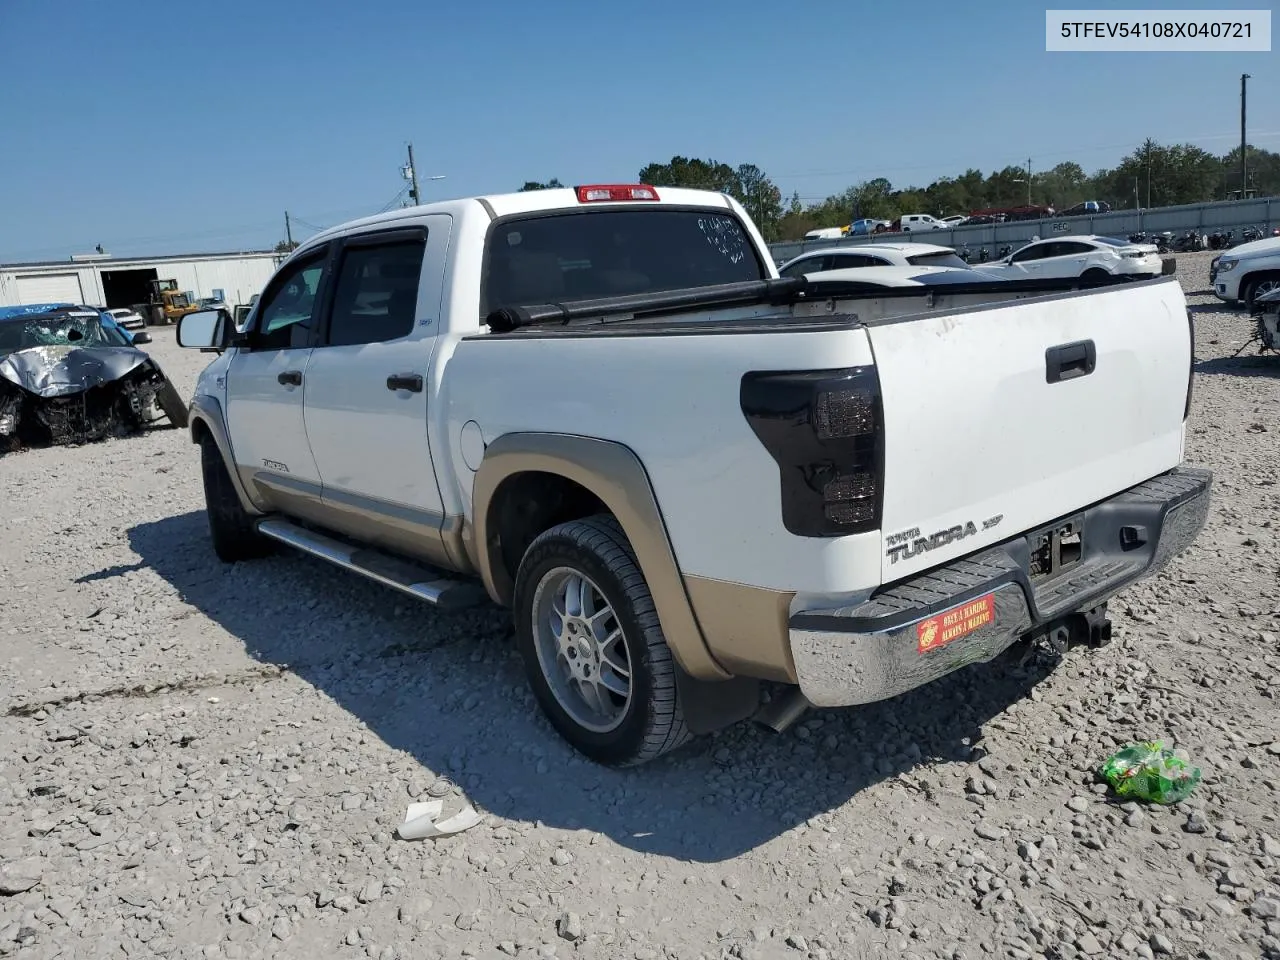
{"x":842,"y":261}
{"x":591,"y":255}
{"x":1036,"y":252}
{"x":807,"y":265}
{"x":377,"y":292}
{"x":1071,"y":248}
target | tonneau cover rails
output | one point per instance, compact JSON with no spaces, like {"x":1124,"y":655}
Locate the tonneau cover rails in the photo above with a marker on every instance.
{"x":779,"y":292}
{"x":773,"y":292}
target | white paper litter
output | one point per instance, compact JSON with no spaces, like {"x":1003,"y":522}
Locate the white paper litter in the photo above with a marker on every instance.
{"x":420,"y":821}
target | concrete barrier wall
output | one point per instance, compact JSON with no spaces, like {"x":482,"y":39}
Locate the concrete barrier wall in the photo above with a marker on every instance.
{"x":1220,"y":215}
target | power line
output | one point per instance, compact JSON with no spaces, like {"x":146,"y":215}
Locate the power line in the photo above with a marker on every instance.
{"x":308,"y":224}
{"x":396,"y":199}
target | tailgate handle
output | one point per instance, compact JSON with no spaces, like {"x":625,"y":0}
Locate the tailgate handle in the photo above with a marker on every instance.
{"x":1070,"y":360}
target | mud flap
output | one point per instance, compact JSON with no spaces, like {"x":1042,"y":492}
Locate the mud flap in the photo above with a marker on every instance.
{"x":711,"y":705}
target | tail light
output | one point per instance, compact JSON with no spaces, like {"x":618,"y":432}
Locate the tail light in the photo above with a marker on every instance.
{"x":825,"y":430}
{"x":616,"y":191}
{"x":1191,"y":366}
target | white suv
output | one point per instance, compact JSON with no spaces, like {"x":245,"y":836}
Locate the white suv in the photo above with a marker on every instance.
{"x":872,"y":255}
{"x":1246,"y":272}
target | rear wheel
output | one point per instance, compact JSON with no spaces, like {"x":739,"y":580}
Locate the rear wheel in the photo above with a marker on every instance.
{"x":1255,"y":287}
{"x":230,"y":527}
{"x":592,"y":645}
{"x":1095,"y":277}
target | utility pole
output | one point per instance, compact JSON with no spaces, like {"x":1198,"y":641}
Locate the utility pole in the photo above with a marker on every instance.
{"x":1028,"y":181}
{"x":413,"y":178}
{"x":288,"y":231}
{"x":1148,"y":175}
{"x":1243,"y":148}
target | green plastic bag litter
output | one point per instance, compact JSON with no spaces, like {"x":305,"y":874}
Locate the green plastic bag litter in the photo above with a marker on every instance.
{"x":1150,"y":771}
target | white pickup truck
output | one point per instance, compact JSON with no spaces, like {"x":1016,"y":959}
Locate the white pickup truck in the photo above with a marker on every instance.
{"x":601,"y":407}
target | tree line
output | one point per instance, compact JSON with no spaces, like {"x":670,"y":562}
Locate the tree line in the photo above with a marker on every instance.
{"x":1153,"y":175}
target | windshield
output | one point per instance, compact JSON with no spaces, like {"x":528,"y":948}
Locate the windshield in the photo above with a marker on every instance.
{"x":591,"y":255}
{"x":61,"y":330}
{"x":1113,"y":241}
{"x":943,"y":258}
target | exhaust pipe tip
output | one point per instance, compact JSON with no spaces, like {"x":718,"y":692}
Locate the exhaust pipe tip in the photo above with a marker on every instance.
{"x":780,"y":714}
{"x":1060,"y":638}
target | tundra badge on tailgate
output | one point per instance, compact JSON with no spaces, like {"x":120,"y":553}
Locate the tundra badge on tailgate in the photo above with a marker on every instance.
{"x":909,"y":543}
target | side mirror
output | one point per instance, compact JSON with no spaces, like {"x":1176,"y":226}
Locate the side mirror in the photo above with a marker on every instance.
{"x":141,"y":337}
{"x":205,"y":330}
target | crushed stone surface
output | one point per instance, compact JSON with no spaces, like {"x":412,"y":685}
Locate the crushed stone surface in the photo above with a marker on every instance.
{"x":206,"y":761}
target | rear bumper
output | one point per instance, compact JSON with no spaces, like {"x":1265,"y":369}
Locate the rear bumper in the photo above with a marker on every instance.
{"x":971,"y":610}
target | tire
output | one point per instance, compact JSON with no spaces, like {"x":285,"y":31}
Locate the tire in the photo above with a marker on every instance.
{"x":1255,"y":286}
{"x":649,"y":720}
{"x":170,"y":401}
{"x":230,"y":528}
{"x":1095,"y":277}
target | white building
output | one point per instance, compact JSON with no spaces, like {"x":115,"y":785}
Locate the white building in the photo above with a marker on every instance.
{"x":101,"y":280}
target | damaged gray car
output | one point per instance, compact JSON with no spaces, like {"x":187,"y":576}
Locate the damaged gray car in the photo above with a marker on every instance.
{"x":69,"y":375}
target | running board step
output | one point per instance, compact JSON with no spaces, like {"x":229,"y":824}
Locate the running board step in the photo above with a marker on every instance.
{"x":418,"y":581}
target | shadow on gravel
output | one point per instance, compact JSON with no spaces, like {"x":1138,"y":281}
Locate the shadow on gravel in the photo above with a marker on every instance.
{"x":1245,"y":365}
{"x":459,"y":705}
{"x":118,"y":570}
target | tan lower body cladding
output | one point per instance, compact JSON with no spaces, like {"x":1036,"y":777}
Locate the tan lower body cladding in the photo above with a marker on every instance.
{"x":744,"y":627}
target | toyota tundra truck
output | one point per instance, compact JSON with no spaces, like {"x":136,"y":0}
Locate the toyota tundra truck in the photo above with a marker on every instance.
{"x":687,"y":477}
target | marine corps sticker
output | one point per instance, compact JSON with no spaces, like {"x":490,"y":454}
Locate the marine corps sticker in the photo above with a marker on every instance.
{"x":955,"y":623}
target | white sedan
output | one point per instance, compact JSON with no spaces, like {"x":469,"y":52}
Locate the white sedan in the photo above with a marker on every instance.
{"x":127,"y":318}
{"x":1092,"y":259}
{"x":872,"y":255}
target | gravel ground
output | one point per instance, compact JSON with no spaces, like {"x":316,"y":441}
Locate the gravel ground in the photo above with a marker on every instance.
{"x":209,"y":761}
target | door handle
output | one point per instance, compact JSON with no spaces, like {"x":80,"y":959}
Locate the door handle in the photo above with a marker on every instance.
{"x":290,"y":376}
{"x":405,"y":381}
{"x":1070,"y":360}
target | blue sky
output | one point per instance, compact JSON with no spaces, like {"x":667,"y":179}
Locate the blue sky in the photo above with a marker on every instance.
{"x":153,"y":127}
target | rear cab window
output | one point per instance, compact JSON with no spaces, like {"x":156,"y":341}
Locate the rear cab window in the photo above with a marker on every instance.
{"x":567,"y":256}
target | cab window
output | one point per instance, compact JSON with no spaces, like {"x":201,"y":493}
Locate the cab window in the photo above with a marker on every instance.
{"x":289,"y":308}
{"x":376,"y":293}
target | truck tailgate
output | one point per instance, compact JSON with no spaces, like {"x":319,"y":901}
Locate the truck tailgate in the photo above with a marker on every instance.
{"x":1001,"y":419}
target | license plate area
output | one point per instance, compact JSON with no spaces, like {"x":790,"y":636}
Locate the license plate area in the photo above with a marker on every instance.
{"x":1056,"y":549}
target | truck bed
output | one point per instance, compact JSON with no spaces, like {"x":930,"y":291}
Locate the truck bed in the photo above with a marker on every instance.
{"x":1004,"y":407}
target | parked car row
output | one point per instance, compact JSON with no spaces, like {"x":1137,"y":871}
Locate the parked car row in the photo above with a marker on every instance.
{"x":915,"y":222}
{"x":1091,"y":259}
